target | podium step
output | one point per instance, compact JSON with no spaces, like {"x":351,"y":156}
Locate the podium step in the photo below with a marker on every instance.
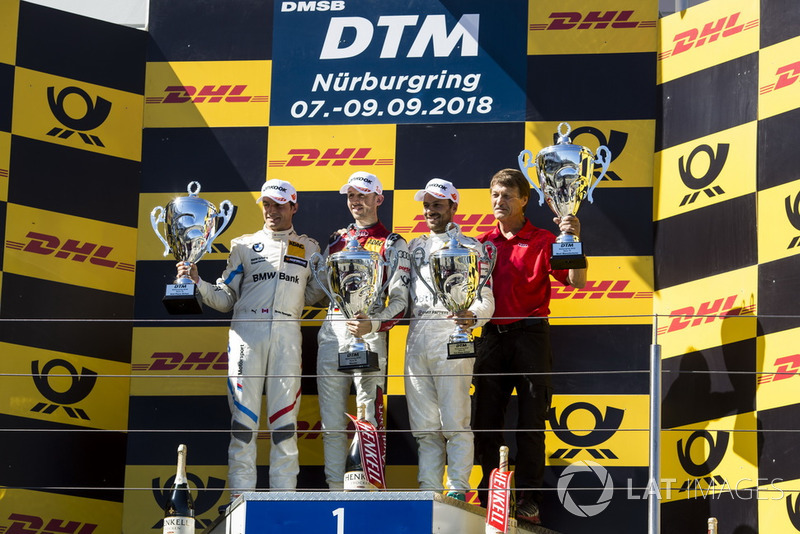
{"x":389,"y":512}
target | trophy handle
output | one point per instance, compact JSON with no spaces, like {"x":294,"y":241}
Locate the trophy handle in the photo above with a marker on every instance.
{"x":418,"y":261}
{"x":317,"y":264}
{"x":489,"y":256}
{"x":603,"y":158}
{"x":392,"y":261}
{"x":526,"y":163}
{"x":157,"y":216}
{"x":225,"y":213}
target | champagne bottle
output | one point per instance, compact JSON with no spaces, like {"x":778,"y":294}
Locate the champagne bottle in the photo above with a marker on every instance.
{"x":712,"y":525}
{"x":179,"y":508}
{"x":354,"y":477}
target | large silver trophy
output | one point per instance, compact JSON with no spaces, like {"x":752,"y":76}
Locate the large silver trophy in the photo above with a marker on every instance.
{"x":191,"y":225}
{"x":457,"y":281}
{"x":354,"y":285}
{"x":566,"y":176}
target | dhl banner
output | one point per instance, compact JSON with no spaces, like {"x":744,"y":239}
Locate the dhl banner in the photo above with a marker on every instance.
{"x":706,"y":171}
{"x":318,"y":158}
{"x":474,"y":213}
{"x":207,"y":93}
{"x":778,"y":367}
{"x":55,"y":387}
{"x":24,"y":510}
{"x":77,"y":114}
{"x":707,"y":313}
{"x":581,"y":27}
{"x":778,"y":74}
{"x":71,"y":250}
{"x":706,"y":35}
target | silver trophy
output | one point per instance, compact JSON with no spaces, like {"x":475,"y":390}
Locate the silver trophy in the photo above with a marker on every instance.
{"x":355,"y":284}
{"x":190,"y":225}
{"x":457,"y":281}
{"x":566,"y":176}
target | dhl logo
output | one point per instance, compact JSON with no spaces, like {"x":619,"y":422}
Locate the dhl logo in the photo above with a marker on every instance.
{"x":31,"y":524}
{"x":208,"y":94}
{"x":336,"y":157}
{"x":177,"y":361}
{"x":3,"y":173}
{"x":787,"y":75}
{"x":597,"y":289}
{"x":707,"y":312}
{"x":695,"y":37}
{"x":598,"y":20}
{"x":49,"y":244}
{"x":785,"y":367}
{"x":304,"y":431}
{"x":474,"y":222}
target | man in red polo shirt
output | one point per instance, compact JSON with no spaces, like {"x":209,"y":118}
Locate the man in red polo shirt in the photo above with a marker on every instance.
{"x":516,"y":348}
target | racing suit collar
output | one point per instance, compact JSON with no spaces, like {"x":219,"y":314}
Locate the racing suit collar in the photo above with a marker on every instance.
{"x":278,"y":235}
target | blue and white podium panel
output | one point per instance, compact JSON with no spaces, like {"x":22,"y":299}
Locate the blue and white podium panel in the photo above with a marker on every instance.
{"x":389,"y":512}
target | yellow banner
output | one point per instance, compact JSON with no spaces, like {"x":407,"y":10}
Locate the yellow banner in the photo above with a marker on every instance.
{"x":709,"y":458}
{"x":395,"y":384}
{"x":64,"y":388}
{"x":179,"y":361}
{"x":5,"y":164}
{"x":77,"y":114}
{"x":584,"y":27}
{"x":608,"y":429}
{"x":9,"y":13}
{"x":619,"y":290}
{"x":630,"y":143}
{"x":707,"y":313}
{"x":207,"y":93}
{"x":321,"y":158}
{"x":778,"y":505}
{"x":248,"y":220}
{"x":144,"y":508}
{"x":474,"y":213}
{"x":779,"y":78}
{"x":26,"y":511}
{"x":705,"y":35}
{"x":71,"y":250}
{"x":778,"y":366}
{"x":778,"y":222}
{"x":706,"y":171}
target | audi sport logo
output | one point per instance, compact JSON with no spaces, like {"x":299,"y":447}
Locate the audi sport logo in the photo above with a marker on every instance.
{"x":208,"y":94}
{"x":787,"y":75}
{"x":73,"y":249}
{"x":597,"y":20}
{"x":335,"y":157}
{"x":710,"y":32}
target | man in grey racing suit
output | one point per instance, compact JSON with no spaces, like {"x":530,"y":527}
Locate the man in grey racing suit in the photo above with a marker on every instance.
{"x":266,"y":282}
{"x":437,"y":389}
{"x":364,"y":195}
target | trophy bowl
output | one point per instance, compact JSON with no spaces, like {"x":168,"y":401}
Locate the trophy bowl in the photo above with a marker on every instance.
{"x":190,"y":226}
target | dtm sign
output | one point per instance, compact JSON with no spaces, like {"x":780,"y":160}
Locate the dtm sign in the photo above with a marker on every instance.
{"x":431,"y":31}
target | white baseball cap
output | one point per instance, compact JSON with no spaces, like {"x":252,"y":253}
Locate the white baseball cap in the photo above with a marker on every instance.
{"x":280,"y":191}
{"x":440,"y":189}
{"x":364,"y":182}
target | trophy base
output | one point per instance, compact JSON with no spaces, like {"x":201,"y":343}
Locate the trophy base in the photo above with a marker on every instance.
{"x":568,"y":255}
{"x":182,"y":299}
{"x":457,"y":351}
{"x":358,"y":360}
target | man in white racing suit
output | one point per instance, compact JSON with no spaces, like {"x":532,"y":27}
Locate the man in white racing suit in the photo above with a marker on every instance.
{"x":437,"y":389}
{"x":266,"y":282}
{"x":364,"y":194}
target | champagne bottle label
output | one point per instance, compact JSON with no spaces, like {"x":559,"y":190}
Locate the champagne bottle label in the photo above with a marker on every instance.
{"x":357,"y":481}
{"x":178,"y":525}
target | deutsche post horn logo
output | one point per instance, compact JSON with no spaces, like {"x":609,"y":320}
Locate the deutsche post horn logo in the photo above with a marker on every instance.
{"x":80,"y":387}
{"x":604,"y":427}
{"x":94,"y":115}
{"x":793,"y":214}
{"x":702,"y":184}
{"x":207,"y":496}
{"x":794,"y":511}
{"x":615,"y":142}
{"x":702,"y":471}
